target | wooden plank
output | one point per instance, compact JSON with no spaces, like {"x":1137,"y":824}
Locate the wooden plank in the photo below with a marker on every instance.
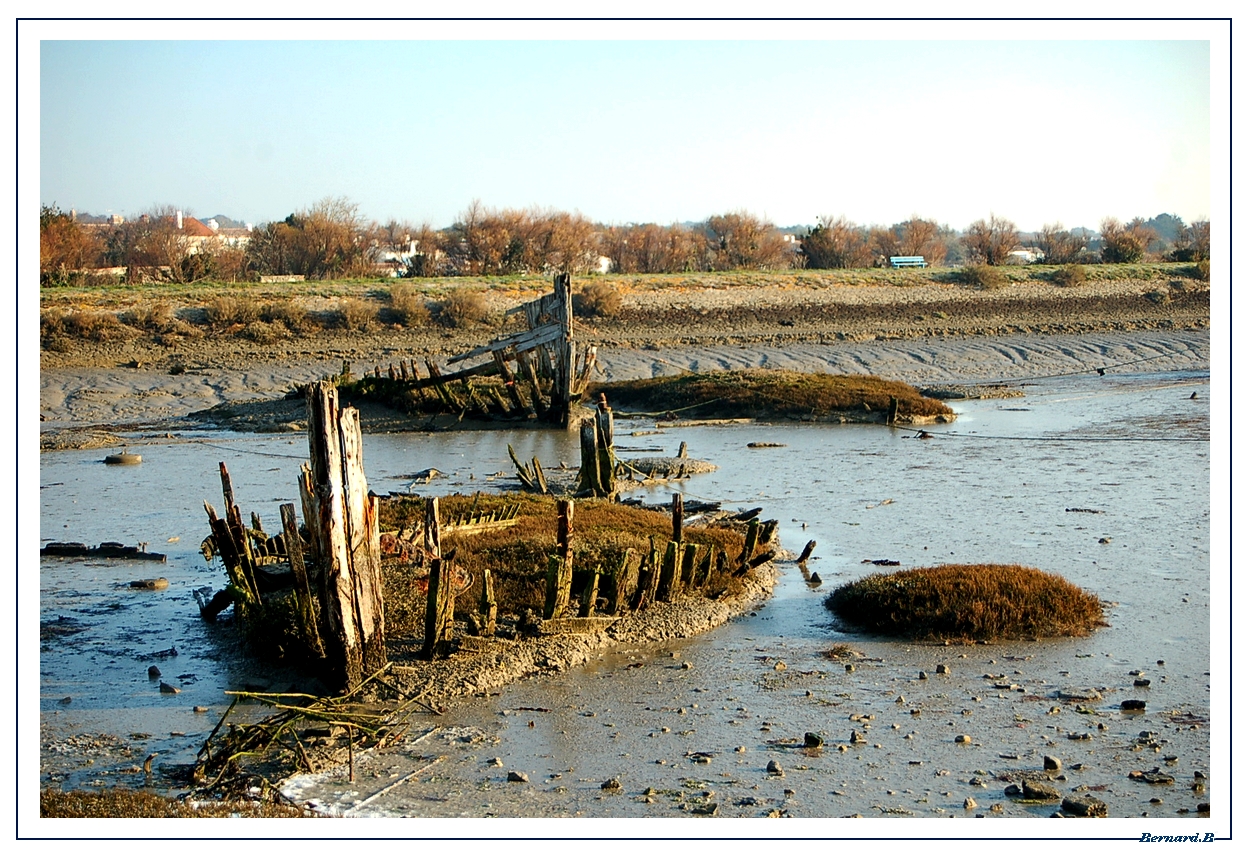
{"x":522,"y":341}
{"x":619,"y":589}
{"x":509,"y":381}
{"x":488,"y":607}
{"x":536,"y":395}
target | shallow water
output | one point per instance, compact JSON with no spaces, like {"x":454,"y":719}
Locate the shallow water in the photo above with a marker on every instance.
{"x":992,"y":487}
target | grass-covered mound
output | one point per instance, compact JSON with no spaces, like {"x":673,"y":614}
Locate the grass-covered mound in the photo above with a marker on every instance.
{"x":517,"y":555}
{"x":967,"y":601}
{"x":769,"y":393}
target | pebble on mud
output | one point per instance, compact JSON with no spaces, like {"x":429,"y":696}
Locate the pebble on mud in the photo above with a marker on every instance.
{"x":963,"y":739}
{"x":970,"y":803}
{"x":813,"y":740}
{"x":166,"y":688}
{"x":943,"y":670}
{"x":1051,"y":764}
{"x":775,"y":770}
{"x":518,"y":777}
{"x":154,"y":672}
{"x":610,"y":784}
{"x":1084,"y":806}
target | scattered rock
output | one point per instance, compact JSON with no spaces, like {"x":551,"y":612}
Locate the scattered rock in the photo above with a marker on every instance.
{"x":1133,"y":705}
{"x":856,"y":737}
{"x":610,"y":783}
{"x":1084,"y":806}
{"x":963,"y":739}
{"x":970,"y":803}
{"x":518,"y":777}
{"x":1141,"y":683}
{"x":775,"y":770}
{"x":154,"y":672}
{"x":924,"y":675}
{"x":1153,"y":777}
{"x":813,"y":740}
{"x":1039,"y":791}
{"x":943,"y":670}
{"x":166,"y":688}
{"x":1051,"y":764}
{"x":495,"y":763}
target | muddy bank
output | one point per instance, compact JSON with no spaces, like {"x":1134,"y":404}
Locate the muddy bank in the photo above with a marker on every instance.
{"x":502,"y":661}
{"x":122,"y":397}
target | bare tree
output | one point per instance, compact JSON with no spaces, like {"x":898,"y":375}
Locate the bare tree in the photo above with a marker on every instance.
{"x":65,"y":245}
{"x":836,"y":243}
{"x":1059,"y":245}
{"x":739,"y":240}
{"x":1121,"y":243}
{"x":990,"y":241}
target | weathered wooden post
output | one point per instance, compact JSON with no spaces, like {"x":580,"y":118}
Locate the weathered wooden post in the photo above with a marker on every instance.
{"x":562,"y":365}
{"x":303,"y":592}
{"x":619,"y":590}
{"x":345,"y":523}
{"x":488,"y":607}
{"x":679,"y":515}
{"x":689,"y":552}
{"x":439,"y":601}
{"x":891,"y":416}
{"x":589,"y":596}
{"x":665,"y":589}
{"x":560,"y":566}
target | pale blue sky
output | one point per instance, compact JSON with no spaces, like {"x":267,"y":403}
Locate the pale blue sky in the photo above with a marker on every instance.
{"x":1038,"y":132}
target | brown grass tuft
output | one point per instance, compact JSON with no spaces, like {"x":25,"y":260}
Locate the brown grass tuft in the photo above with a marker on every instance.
{"x":967,"y":601}
{"x":224,"y":311}
{"x":1069,"y":275}
{"x":407,"y":308}
{"x":769,"y":394}
{"x":137,"y":804}
{"x":356,"y":314}
{"x":517,"y":556}
{"x":288,"y":312}
{"x":983,"y":277}
{"x":597,"y":299}
{"x":463,"y":308}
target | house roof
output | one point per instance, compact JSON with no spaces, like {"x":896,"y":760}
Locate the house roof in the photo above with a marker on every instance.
{"x":193,"y":227}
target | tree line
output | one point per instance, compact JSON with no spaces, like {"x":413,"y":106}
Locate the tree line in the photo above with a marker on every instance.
{"x":330,"y":239}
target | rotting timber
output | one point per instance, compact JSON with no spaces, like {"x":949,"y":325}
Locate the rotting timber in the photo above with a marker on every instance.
{"x":562,"y":586}
{"x":542,"y":370}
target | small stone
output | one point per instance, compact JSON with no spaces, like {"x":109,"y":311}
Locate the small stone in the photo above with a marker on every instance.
{"x":781,"y":665}
{"x":996,"y":808}
{"x":741,"y":749}
{"x":900,"y":699}
{"x":154,"y":672}
{"x":1141,"y":683}
{"x":850,"y":668}
{"x":788,"y":791}
{"x":495,"y":763}
{"x":166,"y":688}
{"x":924,"y":675}
{"x":813,"y":740}
{"x":774,"y":769}
{"x":977,"y":782}
{"x":518,"y":777}
{"x":1051,"y":764}
{"x":963,"y":739}
{"x":1105,"y":540}
{"x":685,"y":665}
{"x":856,"y":738}
{"x":610,"y":783}
{"x":943,"y":670}
{"x":970,"y":803}
{"x":199,"y":709}
{"x":1040,"y":791}
{"x":1133,"y":705}
{"x":1084,"y":806}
